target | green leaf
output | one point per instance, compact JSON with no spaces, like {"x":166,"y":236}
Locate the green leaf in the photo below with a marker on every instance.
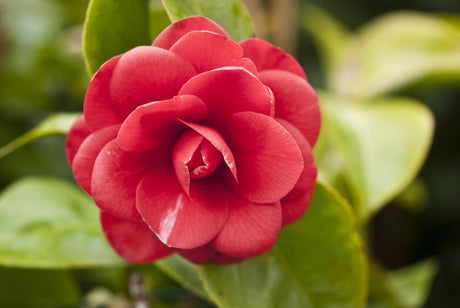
{"x":59,"y":123}
{"x":411,"y":284}
{"x":331,"y":37}
{"x":37,"y":288}
{"x":399,"y":50}
{"x":113,"y":27}
{"x":318,"y":261}
{"x":230,"y":14}
{"x":184,"y":273}
{"x":382,"y":147}
{"x":48,"y":223}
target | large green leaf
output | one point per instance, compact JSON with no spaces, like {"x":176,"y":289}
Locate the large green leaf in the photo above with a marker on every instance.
{"x":381,"y":147}
{"x":112,"y":27}
{"x":48,"y":223}
{"x":184,"y":273}
{"x":34,"y":288}
{"x":398,"y":50}
{"x":318,"y":261}
{"x":230,"y":14}
{"x":55,"y":124}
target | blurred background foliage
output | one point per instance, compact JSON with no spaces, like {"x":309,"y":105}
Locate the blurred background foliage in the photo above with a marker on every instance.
{"x":415,"y":236}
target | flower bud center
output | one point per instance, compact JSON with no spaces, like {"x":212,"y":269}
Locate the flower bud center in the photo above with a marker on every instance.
{"x":204,"y":161}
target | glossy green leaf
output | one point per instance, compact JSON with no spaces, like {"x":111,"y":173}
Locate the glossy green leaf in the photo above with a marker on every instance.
{"x":184,"y":273}
{"x":113,"y":27}
{"x":55,"y":124}
{"x":381,"y":147}
{"x":411,"y":284}
{"x":318,"y":261}
{"x":230,"y":14}
{"x":48,"y":223}
{"x":399,"y":50}
{"x":34,"y":288}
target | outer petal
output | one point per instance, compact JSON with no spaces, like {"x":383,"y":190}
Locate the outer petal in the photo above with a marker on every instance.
{"x":83,"y":163}
{"x":174,"y":32}
{"x":177,"y":220}
{"x":296,"y":202}
{"x":198,"y":255}
{"x":251,"y":228}
{"x":77,"y":133}
{"x":154,"y":124}
{"x":266,"y":57}
{"x":146,"y":74}
{"x":268,"y":159}
{"x":98,"y":108}
{"x":207,"y":50}
{"x":296,"y":102}
{"x":133,"y":241}
{"x":229,"y":90}
{"x":116,"y":175}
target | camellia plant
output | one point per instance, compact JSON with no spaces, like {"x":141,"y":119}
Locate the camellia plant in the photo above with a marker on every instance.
{"x":204,"y":154}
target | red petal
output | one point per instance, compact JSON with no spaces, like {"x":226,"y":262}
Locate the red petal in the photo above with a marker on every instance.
{"x":251,"y":229}
{"x":266,"y":57}
{"x":83,"y":163}
{"x":177,"y":220}
{"x":154,"y":124}
{"x":98,"y":108}
{"x":224,"y":259}
{"x":207,"y":50}
{"x":229,"y":90}
{"x":174,"y":32}
{"x":296,"y":202}
{"x":194,"y":157}
{"x":133,"y":241}
{"x":116,"y":175}
{"x":77,"y":133}
{"x":216,"y":139}
{"x":295,"y":102}
{"x":268,"y":159}
{"x":147,"y":74}
{"x":198,"y":255}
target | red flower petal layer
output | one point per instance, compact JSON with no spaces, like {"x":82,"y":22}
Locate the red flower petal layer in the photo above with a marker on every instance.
{"x":83,"y":163}
{"x":116,"y":175}
{"x":134,"y":241}
{"x":178,"y":220}
{"x":174,"y":32}
{"x":296,"y":102}
{"x":147,"y":74}
{"x":77,"y":134}
{"x":251,"y":229}
{"x":267,"y":57}
{"x":229,"y":90}
{"x":268,"y":159}
{"x":98,"y":108}
{"x":199,"y":49}
{"x":296,"y":202}
{"x":155,"y":124}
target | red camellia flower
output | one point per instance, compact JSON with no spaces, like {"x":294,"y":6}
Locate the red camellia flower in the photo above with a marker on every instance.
{"x":197,"y":145}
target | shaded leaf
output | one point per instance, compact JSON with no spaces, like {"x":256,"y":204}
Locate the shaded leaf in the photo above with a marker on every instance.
{"x":332,"y":38}
{"x":48,"y":223}
{"x":37,"y":288}
{"x":113,"y":27}
{"x":230,"y":14}
{"x":317,"y":262}
{"x":381,"y":147}
{"x":59,"y":123}
{"x":183,"y":272}
{"x":398,"y":50}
